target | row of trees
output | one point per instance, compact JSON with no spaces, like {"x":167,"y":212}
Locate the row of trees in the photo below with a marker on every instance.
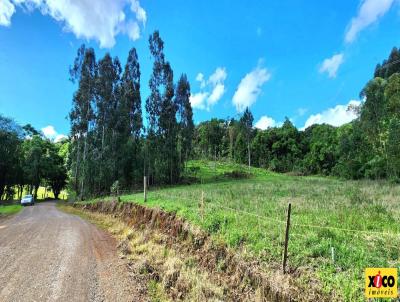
{"x":367,"y":147}
{"x":28,"y":161}
{"x":109,"y":143}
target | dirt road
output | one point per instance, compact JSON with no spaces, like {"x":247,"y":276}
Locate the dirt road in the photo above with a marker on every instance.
{"x":48,"y":255}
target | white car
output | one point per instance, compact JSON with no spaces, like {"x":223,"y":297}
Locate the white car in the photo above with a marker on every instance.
{"x":27,"y":200}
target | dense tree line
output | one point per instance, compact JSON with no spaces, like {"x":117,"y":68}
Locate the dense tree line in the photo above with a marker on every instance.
{"x":28,"y":160}
{"x":368,"y":147}
{"x":111,"y":145}
{"x":279,"y":148}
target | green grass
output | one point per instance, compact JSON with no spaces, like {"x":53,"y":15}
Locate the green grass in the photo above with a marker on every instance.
{"x":360,"y":220}
{"x":9,"y":209}
{"x":156,"y":292}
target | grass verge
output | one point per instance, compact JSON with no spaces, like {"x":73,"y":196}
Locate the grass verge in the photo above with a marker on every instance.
{"x":170,"y":274}
{"x":6,"y":210}
{"x":338,"y":227}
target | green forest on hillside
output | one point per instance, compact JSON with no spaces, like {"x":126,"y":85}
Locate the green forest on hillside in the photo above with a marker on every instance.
{"x":113,"y":144}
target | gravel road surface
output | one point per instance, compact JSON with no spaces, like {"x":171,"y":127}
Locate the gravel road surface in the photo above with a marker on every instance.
{"x":48,"y":255}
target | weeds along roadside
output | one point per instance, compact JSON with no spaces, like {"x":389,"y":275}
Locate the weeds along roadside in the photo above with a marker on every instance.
{"x":338,"y":254}
{"x":320,"y":251}
{"x":171,"y":274}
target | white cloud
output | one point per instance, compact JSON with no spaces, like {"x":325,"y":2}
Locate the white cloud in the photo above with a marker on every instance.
{"x":7,"y":9}
{"x":216,"y":94}
{"x":141,"y":15}
{"x":200,"y":78}
{"x":51,"y":133}
{"x":331,"y":65}
{"x":301,"y":111}
{"x":369,"y":12}
{"x":336,"y":116}
{"x":101,"y":20}
{"x":198,"y":100}
{"x":218,"y":76}
{"x":265,"y":122}
{"x":214,"y":89}
{"x":250,"y":88}
{"x":60,"y":137}
{"x":133,"y":30}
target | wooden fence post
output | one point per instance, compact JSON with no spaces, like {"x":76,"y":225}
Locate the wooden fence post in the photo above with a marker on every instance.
{"x":286,"y":238}
{"x":145,"y":188}
{"x":202,"y":206}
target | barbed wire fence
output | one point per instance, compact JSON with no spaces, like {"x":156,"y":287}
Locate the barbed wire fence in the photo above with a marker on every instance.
{"x":278,"y":227}
{"x":276,"y":230}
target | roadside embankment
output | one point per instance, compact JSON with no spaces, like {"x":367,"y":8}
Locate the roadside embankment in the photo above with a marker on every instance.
{"x":183,"y":262}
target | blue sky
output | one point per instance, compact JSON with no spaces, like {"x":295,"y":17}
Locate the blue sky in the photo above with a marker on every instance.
{"x":305,"y":60}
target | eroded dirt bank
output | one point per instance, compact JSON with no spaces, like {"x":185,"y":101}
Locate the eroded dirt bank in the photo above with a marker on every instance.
{"x":234,"y":279}
{"x":48,"y":255}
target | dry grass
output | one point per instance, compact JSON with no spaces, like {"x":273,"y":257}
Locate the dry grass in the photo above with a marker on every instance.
{"x":172,"y":275}
{"x":360,"y":220}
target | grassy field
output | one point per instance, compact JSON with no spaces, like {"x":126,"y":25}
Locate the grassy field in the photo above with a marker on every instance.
{"x":338,"y":228}
{"x":9,"y":209}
